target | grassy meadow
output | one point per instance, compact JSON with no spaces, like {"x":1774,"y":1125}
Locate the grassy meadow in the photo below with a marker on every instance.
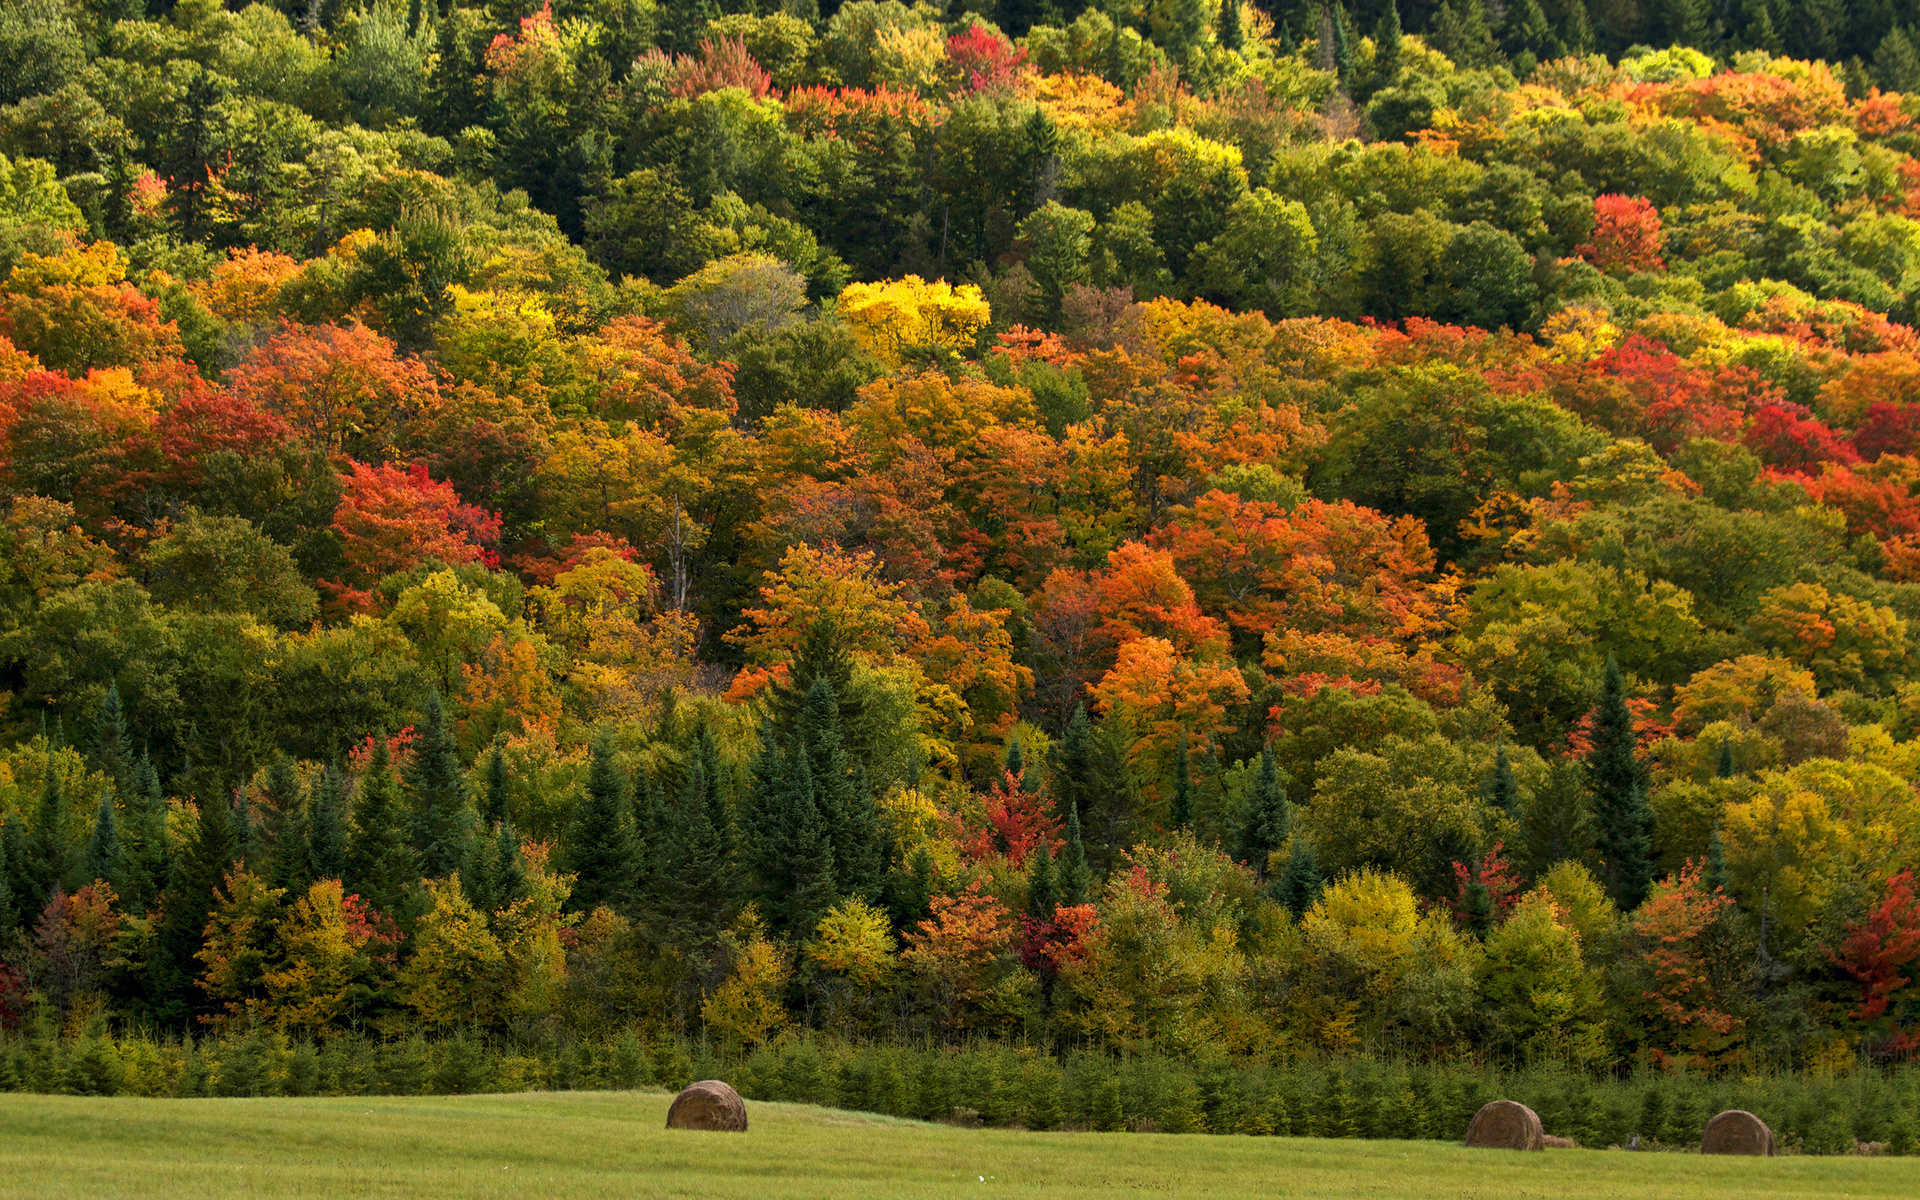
{"x":593,"y":1144}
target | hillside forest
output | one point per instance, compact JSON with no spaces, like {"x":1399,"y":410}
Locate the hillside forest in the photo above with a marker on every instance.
{"x":1164,"y":528}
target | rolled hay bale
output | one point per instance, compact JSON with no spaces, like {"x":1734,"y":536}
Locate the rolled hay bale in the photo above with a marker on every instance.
{"x":1737,"y":1131}
{"x":708,"y":1104}
{"x":1550,"y":1142}
{"x":1506,"y":1125}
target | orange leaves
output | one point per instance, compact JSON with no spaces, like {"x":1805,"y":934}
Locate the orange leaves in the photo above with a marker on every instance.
{"x":1143,"y":595}
{"x":1626,"y":235}
{"x":955,"y":948}
{"x":642,"y":373}
{"x":75,"y":311}
{"x":1164,"y":697}
{"x":1668,"y":927}
{"x":391,"y":519}
{"x":872,"y":616}
{"x":343,"y":387}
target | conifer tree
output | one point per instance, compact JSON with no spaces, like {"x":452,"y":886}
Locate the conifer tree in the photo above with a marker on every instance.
{"x":244,"y":840}
{"x":1896,"y":62}
{"x":1386,"y":53}
{"x":494,"y":804}
{"x":145,"y":857}
{"x":505,"y":878}
{"x":1342,"y":47}
{"x":103,"y":849}
{"x":848,"y":817}
{"x":811,"y":863}
{"x":9,"y":843}
{"x":287,"y":861}
{"x":442,"y":812}
{"x":110,"y":749}
{"x":209,"y":855}
{"x":1715,"y":876}
{"x":1300,"y":885}
{"x":1042,"y":896}
{"x":327,"y":828}
{"x":1576,"y":27}
{"x":697,"y":875}
{"x":1525,"y":31}
{"x":1724,"y":768}
{"x":1070,"y":773}
{"x":1269,"y":816}
{"x":1182,"y":812}
{"x":1015,"y":763}
{"x":1075,"y":884}
{"x":1091,"y":775}
{"x":1616,"y":778}
{"x":381,"y":867}
{"x":1232,"y":33}
{"x":1502,"y":792}
{"x":599,"y":845}
{"x":51,"y":853}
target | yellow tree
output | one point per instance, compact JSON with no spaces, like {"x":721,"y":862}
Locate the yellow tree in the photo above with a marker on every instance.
{"x":330,"y":955}
{"x":458,"y":965}
{"x":1163,"y":697}
{"x":897,"y":317}
{"x":874,"y":617}
{"x":239,"y":945}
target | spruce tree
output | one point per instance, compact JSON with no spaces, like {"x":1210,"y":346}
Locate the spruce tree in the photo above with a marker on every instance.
{"x":286,"y":827}
{"x":1616,"y":778}
{"x":1556,"y":820}
{"x":1233,"y":34}
{"x":1269,"y":817}
{"x":506,"y":876}
{"x":381,"y":867}
{"x":145,"y":857}
{"x":110,"y":749}
{"x":244,"y":839}
{"x":1182,"y":813}
{"x":599,"y":844}
{"x":51,"y":854}
{"x":1075,"y":884}
{"x":494,"y":804}
{"x":9,"y":912}
{"x":1386,"y":53}
{"x":1070,"y":773}
{"x":697,"y":885}
{"x":1502,"y":792}
{"x":844,"y":801}
{"x":327,"y":828}
{"x":16,"y":846}
{"x":203,"y":867}
{"x":1525,"y":31}
{"x":1715,"y":875}
{"x":103,"y":849}
{"x":1042,"y":896}
{"x":1896,"y":62}
{"x":1342,"y":47}
{"x":1300,"y":885}
{"x":1724,"y":768}
{"x":442,"y":812}
{"x":1576,"y":28}
{"x":815,"y":888}
{"x":1015,"y":763}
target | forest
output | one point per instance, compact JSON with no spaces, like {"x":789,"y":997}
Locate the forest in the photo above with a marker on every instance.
{"x":1169,"y":532}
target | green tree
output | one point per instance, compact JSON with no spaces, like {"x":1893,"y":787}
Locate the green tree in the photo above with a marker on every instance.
{"x":103,"y":849}
{"x":110,"y":749}
{"x":1617,"y":779}
{"x":1299,"y":886}
{"x":1502,"y":792}
{"x":146,"y":857}
{"x":327,"y":827}
{"x":1076,"y":879}
{"x":1269,"y":817}
{"x":199,"y":872}
{"x":52,"y":856}
{"x":442,"y":811}
{"x":381,"y":864}
{"x":1059,"y":244}
{"x":841,"y":796}
{"x":286,"y":827}
{"x":494,"y":801}
{"x":599,"y":846}
{"x":1181,"y":815}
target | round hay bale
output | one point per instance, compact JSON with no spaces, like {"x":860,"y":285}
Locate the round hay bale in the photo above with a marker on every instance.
{"x":1550,"y":1142}
{"x":1737,"y":1131}
{"x":708,"y":1104}
{"x":1506,"y":1125}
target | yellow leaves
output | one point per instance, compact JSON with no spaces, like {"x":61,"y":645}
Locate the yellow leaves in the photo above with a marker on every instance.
{"x":1747,"y":685}
{"x":1366,"y":921}
{"x":457,"y":968}
{"x":894,"y":318}
{"x":855,"y":939}
{"x":1786,"y":841}
{"x":247,"y":285}
{"x":97,"y":264}
{"x":947,"y":414}
{"x":1163,"y":696}
{"x":317,"y":985}
{"x":873,"y":618}
{"x":747,"y":1008}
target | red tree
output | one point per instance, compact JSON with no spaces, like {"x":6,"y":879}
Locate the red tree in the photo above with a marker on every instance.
{"x":1626,"y":234}
{"x":392,"y":519}
{"x":1875,"y":953}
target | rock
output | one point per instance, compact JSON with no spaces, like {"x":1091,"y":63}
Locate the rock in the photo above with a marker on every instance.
{"x":708,"y":1104}
{"x":1737,"y":1132}
{"x":1506,"y":1125}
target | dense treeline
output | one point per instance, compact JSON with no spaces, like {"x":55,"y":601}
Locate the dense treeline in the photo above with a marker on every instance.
{"x":1872,"y":1112}
{"x":1196,"y":532}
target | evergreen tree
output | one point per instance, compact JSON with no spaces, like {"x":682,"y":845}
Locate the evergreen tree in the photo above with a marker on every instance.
{"x":327,"y":828}
{"x":442,"y":812}
{"x":1896,"y":62}
{"x":1576,"y":27}
{"x":110,"y":751}
{"x":286,"y":821}
{"x":103,"y":849}
{"x":1757,"y":26}
{"x":599,"y":845}
{"x":1386,"y":52}
{"x":1091,"y":775}
{"x":1342,"y":47}
{"x":1460,"y":32}
{"x":145,"y":857}
{"x":243,"y":832}
{"x":698,"y":883}
{"x":1269,"y":817}
{"x":1715,"y":876}
{"x":845,"y":805}
{"x":1684,"y":22}
{"x":1556,"y":820}
{"x":1042,"y":897}
{"x":381,"y":867}
{"x":9,"y":844}
{"x":1070,"y":773}
{"x":1502,"y":792}
{"x":823,"y":655}
{"x":1233,"y":34}
{"x":1075,"y":884}
{"x":811,"y":867}
{"x":1616,"y":778}
{"x":1724,"y":768}
{"x":1300,"y":885}
{"x":505,"y":879}
{"x":1016,"y":760}
{"x":51,"y":854}
{"x":203,"y":867}
{"x":1182,"y":814}
{"x":1525,"y":31}
{"x":494,"y":805}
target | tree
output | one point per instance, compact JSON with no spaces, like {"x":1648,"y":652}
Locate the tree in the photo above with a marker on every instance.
{"x":456,"y":974}
{"x":442,"y":811}
{"x":1626,"y":235}
{"x":224,"y":564}
{"x":1502,"y":792}
{"x":841,"y":795}
{"x":1876,"y":951}
{"x":1300,"y":884}
{"x":147,"y":860}
{"x":51,"y":854}
{"x":209,"y":858}
{"x":1269,"y":817}
{"x":343,"y":387}
{"x":1617,"y":780}
{"x":327,"y":827}
{"x":110,"y":749}
{"x":894,"y":319}
{"x":697,"y":880}
{"x":600,"y":846}
{"x":1076,"y":880}
{"x":494,"y":801}
{"x":381,"y":863}
{"x":392,"y":519}
{"x":104,"y":856}
{"x":1181,"y":813}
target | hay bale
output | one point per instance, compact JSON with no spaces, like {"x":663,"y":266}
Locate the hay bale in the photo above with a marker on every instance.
{"x":1737,"y":1132}
{"x":1550,"y":1142}
{"x":708,"y":1104}
{"x":1506,"y":1125}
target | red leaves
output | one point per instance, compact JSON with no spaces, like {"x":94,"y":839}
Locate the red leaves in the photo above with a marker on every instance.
{"x":722,"y":64}
{"x":1491,"y":872}
{"x":392,"y":519}
{"x":1016,"y":821}
{"x":1784,"y":436}
{"x":1668,"y":927}
{"x":1626,"y":234}
{"x":986,"y":60}
{"x":1875,"y":952}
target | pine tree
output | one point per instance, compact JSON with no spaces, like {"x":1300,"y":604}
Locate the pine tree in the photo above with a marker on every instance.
{"x":1269,"y":816}
{"x":599,"y":845}
{"x":1300,"y":885}
{"x":442,"y":812}
{"x":103,"y":850}
{"x":1386,"y":54}
{"x":1556,"y":820}
{"x":494,"y":805}
{"x":1525,"y":31}
{"x":1091,"y":775}
{"x":244,"y":839}
{"x":1070,"y":772}
{"x":1724,"y":768}
{"x":812,"y":867}
{"x":1685,"y":22}
{"x":1576,"y":27}
{"x":1616,"y":778}
{"x":1015,"y":763}
{"x":145,"y":858}
{"x":327,"y":828}
{"x":287,"y":862}
{"x":848,"y":816}
{"x":1233,"y":34}
{"x":1182,"y":815}
{"x":111,"y":751}
{"x":1460,"y":32}
{"x":1896,"y":62}
{"x":9,"y":842}
{"x":1075,"y":878}
{"x":51,"y":854}
{"x":1342,"y":47}
{"x":1502,"y":792}
{"x":697,"y":866}
{"x":506,"y":875}
{"x":1715,"y":876}
{"x":823,"y":655}
{"x":1042,"y":897}
{"x":1758,"y":29}
{"x":381,"y":867}
{"x":203,"y":867}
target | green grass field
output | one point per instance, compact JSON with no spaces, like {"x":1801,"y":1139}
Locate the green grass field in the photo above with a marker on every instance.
{"x":612,"y":1144}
